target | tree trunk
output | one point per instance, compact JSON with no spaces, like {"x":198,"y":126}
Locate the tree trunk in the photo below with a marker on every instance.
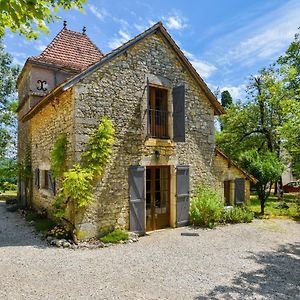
{"x":262,"y":208}
{"x":276,"y":188}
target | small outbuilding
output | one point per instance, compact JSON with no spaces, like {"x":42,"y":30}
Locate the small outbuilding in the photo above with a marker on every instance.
{"x":234,"y":180}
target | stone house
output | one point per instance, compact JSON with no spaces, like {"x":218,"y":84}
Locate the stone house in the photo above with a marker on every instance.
{"x":163,"y":113}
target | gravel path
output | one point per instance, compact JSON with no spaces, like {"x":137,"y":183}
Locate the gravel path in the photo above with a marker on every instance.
{"x":246,"y":261}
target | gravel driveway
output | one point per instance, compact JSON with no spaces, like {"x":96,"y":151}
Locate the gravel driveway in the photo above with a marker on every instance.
{"x":246,"y":261}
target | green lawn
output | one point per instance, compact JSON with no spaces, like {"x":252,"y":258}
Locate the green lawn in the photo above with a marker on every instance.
{"x":271,"y":211}
{"x":8,"y":195}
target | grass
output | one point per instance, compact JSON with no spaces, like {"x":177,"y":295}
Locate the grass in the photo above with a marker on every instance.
{"x":271,"y":211}
{"x":115,"y":237}
{"x":41,"y":222}
{"x":8,"y":195}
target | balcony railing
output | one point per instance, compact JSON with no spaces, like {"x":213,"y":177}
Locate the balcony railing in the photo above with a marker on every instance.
{"x":158,"y":123}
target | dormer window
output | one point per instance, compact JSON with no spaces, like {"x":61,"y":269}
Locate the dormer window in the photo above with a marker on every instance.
{"x":158,"y":114}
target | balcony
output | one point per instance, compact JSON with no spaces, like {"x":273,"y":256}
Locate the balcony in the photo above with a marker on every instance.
{"x":158,"y":124}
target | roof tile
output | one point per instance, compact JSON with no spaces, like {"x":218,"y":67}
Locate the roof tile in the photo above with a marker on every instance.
{"x":70,"y":49}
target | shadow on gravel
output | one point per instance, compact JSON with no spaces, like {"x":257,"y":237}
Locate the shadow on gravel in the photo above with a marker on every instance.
{"x":278,"y":277}
{"x":14,"y":231}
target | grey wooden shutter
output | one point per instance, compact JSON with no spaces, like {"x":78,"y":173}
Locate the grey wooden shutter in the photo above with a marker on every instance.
{"x":182,"y":195}
{"x":37,"y":177}
{"x":179,"y":113}
{"x":239,"y":190}
{"x":52,"y":183}
{"x":136,"y":181}
{"x":148,"y":108}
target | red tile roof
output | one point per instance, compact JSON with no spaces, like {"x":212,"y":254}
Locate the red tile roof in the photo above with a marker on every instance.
{"x":70,"y":49}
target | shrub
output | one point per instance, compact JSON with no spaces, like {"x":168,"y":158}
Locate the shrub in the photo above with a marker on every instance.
{"x":237,"y":215}
{"x":115,"y":237}
{"x":44,"y":225}
{"x":33,"y":216}
{"x":206,"y":207}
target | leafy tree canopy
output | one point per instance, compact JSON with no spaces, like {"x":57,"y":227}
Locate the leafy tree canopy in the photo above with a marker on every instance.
{"x":29,"y":17}
{"x":8,"y":102}
{"x":266,"y":168}
{"x":226,"y":99}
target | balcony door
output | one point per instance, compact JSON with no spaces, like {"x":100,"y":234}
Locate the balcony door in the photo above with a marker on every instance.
{"x":158,"y":113}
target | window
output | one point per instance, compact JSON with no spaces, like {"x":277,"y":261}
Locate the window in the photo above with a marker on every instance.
{"x":47,"y":182}
{"x":158,"y":114}
{"x":45,"y":179}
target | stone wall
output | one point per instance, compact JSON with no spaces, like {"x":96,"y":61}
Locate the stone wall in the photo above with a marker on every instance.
{"x":45,"y":127}
{"x":226,"y":171}
{"x":118,"y":91}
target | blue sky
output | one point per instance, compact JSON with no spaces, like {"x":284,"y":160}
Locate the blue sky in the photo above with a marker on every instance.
{"x":226,"y":41}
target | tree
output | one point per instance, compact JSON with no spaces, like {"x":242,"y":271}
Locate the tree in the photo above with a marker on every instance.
{"x":253,"y":125}
{"x":289,"y":70}
{"x":226,"y":99}
{"x":266,"y":168}
{"x":29,"y":17}
{"x":8,"y":103}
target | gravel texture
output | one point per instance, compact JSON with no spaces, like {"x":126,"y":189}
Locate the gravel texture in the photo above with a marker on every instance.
{"x":260,"y":260}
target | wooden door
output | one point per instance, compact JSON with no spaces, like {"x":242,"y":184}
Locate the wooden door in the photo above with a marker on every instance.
{"x":239,"y":191}
{"x":227,"y":192}
{"x":136,"y":180}
{"x":157,"y":197}
{"x":182,"y":195}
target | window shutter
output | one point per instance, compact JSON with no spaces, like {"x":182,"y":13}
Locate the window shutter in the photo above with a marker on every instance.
{"x":148,"y":107}
{"x":179,"y":113}
{"x":182,"y":195}
{"x":37,"y":177}
{"x":52,"y":183}
{"x":239,"y":191}
{"x":136,"y":181}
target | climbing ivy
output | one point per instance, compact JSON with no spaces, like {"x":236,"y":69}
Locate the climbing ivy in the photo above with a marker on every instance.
{"x":77,"y":187}
{"x":77,"y":182}
{"x":58,"y":156}
{"x":99,"y":147}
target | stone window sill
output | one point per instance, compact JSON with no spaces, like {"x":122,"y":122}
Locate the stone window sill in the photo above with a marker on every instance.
{"x":152,"y":142}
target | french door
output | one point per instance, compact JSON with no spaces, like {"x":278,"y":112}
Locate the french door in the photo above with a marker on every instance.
{"x":157,"y":197}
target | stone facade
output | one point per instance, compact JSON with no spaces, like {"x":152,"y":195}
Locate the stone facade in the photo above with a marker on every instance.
{"x":118,"y":91}
{"x":226,"y":171}
{"x":45,"y":127}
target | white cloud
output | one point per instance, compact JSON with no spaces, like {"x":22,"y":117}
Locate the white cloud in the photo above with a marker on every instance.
{"x":96,"y":12}
{"x":175,"y":22}
{"x":143,"y":27}
{"x":118,"y":41}
{"x":204,"y":68}
{"x":237,"y":92}
{"x":40,"y":47}
{"x":264,"y":38}
{"x":19,"y":54}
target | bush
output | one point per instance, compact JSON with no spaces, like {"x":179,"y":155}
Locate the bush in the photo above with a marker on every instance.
{"x":115,"y":237}
{"x":237,"y":215}
{"x":206,"y":207}
{"x":44,"y":225}
{"x":33,"y":216}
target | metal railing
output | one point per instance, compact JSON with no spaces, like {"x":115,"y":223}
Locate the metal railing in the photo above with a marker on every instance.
{"x":158,"y":123}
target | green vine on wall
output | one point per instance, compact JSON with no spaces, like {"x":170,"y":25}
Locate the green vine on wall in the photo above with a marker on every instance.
{"x":58,"y":156}
{"x":99,"y":147}
{"x":78,"y":181}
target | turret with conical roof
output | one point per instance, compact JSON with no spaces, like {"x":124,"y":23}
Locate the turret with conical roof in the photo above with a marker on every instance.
{"x":68,"y":54}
